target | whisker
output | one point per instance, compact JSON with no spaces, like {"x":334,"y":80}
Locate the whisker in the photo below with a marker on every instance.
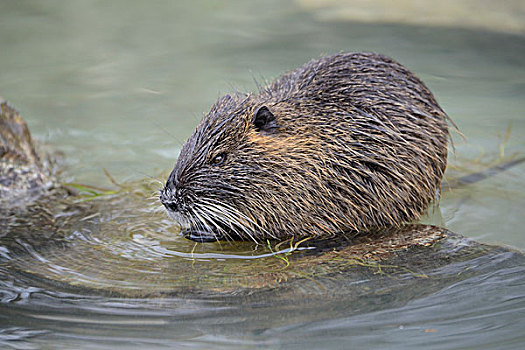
{"x":221,"y":213}
{"x":223,"y":207}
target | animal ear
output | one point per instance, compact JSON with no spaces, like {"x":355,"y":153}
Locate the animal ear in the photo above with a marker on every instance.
{"x":264,"y":120}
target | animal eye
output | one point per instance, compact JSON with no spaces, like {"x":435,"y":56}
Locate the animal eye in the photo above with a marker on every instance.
{"x":218,"y":159}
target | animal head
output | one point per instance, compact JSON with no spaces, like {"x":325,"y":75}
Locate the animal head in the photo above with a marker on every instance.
{"x":242,"y":173}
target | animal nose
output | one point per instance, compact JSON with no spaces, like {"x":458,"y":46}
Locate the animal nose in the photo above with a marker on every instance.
{"x":170,"y":199}
{"x":172,"y":205}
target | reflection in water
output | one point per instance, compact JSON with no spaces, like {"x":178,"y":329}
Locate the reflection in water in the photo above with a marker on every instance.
{"x":121,"y":85}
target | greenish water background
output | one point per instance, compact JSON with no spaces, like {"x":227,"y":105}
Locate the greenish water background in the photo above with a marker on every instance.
{"x":120,"y":85}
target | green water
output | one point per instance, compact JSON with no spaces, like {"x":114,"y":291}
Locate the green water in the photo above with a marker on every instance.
{"x":120,"y":85}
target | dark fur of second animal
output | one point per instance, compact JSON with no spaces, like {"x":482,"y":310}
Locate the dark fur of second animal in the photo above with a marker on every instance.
{"x":349,"y":142}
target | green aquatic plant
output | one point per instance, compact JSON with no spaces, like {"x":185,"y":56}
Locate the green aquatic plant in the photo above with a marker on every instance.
{"x":280,"y":255}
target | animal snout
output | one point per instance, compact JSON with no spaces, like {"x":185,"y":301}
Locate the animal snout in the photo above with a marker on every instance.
{"x":170,"y":199}
{"x":172,"y":205}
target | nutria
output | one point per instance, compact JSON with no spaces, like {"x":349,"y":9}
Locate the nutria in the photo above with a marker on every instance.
{"x":349,"y":142}
{"x":25,"y":171}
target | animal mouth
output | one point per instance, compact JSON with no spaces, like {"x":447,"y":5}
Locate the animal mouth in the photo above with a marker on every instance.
{"x":208,"y":220}
{"x":203,"y":236}
{"x":179,"y":218}
{"x":200,"y":232}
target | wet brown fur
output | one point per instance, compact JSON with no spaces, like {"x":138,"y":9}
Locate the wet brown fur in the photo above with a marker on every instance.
{"x":24,"y":173}
{"x":360,"y":143}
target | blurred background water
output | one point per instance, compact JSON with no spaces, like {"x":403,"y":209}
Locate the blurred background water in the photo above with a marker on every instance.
{"x":120,"y":85}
